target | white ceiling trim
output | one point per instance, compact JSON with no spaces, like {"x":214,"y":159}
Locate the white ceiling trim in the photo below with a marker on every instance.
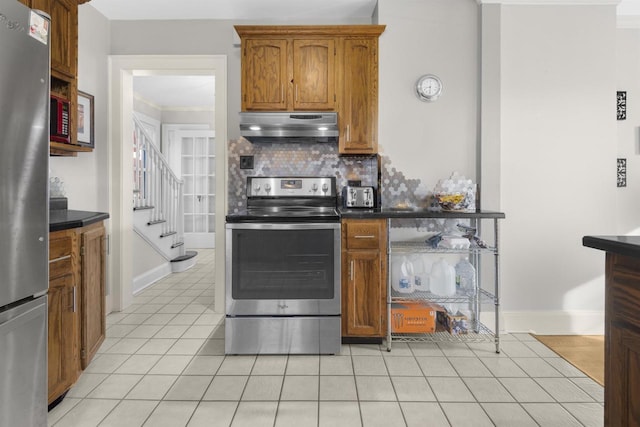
{"x":551,"y":2}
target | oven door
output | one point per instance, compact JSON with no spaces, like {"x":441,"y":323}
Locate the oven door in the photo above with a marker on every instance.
{"x":282,"y":269}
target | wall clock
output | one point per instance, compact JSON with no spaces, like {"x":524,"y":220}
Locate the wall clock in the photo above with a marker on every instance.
{"x":428,"y":87}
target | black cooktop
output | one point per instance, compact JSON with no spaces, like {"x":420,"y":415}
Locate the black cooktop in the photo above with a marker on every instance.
{"x":285,"y":214}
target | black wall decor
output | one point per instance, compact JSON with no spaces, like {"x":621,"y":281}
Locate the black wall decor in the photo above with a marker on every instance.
{"x":621,"y":105}
{"x":621,"y":173}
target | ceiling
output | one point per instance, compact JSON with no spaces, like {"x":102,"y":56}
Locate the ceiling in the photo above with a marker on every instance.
{"x":187,"y":91}
{"x":629,"y":7}
{"x":176,"y":92}
{"x":263,"y":10}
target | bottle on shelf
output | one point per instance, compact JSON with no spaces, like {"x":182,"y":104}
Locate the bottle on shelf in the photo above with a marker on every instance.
{"x":421,"y":272}
{"x":465,"y":275}
{"x":404,"y":277}
{"x":443,"y":278}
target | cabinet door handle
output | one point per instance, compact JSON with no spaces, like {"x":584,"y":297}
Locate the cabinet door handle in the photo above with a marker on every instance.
{"x":368,"y":236}
{"x":348,"y":132}
{"x":59,"y":259}
{"x":296,"y":93}
{"x":74,"y":299}
{"x":282,"y":94}
{"x":351,"y":265}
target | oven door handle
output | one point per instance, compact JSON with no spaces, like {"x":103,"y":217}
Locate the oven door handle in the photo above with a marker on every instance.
{"x":370,"y":236}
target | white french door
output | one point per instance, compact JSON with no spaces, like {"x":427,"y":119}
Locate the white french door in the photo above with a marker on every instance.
{"x":198,"y":171}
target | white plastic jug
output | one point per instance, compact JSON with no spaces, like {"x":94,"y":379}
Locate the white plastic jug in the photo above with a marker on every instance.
{"x":443,"y":278}
{"x":466,"y":275}
{"x":421,"y":268}
{"x":403,"y":277}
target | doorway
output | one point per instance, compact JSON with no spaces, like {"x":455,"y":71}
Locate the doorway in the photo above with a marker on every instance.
{"x":179,"y":105}
{"x":122,"y":70}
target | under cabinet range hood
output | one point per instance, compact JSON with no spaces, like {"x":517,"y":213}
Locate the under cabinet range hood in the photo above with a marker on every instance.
{"x":289,"y":126}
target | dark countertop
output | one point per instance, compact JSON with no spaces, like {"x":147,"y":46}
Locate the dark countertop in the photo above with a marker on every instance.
{"x":414,"y":213}
{"x":623,"y":245}
{"x":64,"y":219}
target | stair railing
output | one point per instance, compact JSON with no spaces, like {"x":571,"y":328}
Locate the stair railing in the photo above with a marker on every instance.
{"x":155,"y":186}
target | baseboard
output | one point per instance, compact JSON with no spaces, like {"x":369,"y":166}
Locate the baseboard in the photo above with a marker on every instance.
{"x":150,"y":277}
{"x":575,"y":322}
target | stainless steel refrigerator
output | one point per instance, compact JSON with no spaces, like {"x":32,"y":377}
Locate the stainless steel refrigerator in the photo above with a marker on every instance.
{"x":24,"y":214}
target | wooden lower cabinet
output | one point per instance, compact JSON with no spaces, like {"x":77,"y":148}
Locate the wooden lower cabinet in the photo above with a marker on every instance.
{"x":622,"y":342}
{"x":364,"y":273}
{"x":93,"y":316}
{"x":76,"y":303}
{"x":63,"y":315}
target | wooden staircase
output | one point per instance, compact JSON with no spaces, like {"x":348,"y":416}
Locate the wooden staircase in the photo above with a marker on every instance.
{"x":157,"y":202}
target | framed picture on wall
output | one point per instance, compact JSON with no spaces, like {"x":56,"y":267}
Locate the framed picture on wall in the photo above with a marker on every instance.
{"x":85,"y":120}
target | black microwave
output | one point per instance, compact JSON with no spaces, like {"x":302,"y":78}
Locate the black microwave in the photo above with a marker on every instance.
{"x":59,"y":120}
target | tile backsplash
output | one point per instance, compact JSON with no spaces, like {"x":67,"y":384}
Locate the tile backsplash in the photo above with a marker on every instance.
{"x":399,"y":190}
{"x":320,"y":159}
{"x":294,"y":159}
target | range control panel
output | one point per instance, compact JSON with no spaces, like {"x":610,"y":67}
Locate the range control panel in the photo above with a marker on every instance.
{"x":258,"y":186}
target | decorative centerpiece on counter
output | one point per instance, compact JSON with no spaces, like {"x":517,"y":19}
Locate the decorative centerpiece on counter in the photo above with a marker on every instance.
{"x":457,"y":193}
{"x":56,"y":187}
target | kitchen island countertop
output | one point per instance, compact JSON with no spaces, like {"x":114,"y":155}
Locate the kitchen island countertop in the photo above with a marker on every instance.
{"x":622,"y":245}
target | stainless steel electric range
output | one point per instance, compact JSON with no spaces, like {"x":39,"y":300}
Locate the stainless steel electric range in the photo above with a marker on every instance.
{"x":283,"y":268}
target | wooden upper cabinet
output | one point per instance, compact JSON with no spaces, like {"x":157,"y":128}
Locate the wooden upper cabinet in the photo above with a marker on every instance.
{"x":64,"y":34}
{"x":285,"y":74}
{"x":359,"y":97}
{"x":314,"y":74}
{"x":316,"y":68}
{"x":265,"y":78}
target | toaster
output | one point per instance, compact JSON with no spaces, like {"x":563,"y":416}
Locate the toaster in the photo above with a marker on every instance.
{"x":358,"y":197}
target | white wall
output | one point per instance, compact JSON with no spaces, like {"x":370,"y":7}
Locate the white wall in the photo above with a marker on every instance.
{"x":424,"y":140}
{"x":557,"y":163}
{"x":149,"y":265}
{"x":548,"y":156}
{"x":628,"y":79}
{"x":86,"y":176}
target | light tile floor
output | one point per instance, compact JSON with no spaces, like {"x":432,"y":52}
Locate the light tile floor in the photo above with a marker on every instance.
{"x":163,"y":364}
